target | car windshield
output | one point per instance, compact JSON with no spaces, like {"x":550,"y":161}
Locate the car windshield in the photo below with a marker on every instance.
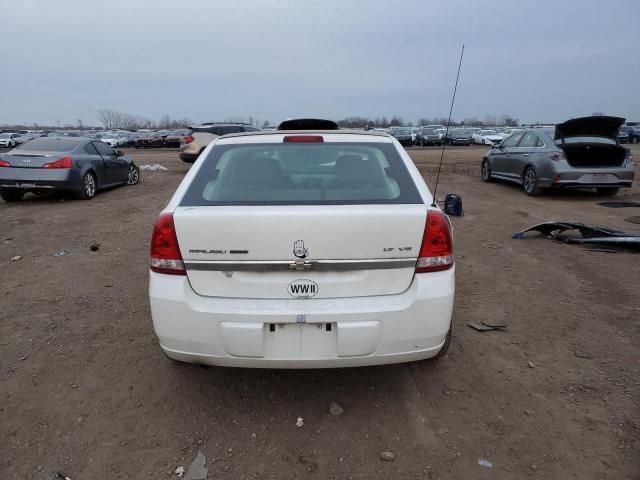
{"x":303,"y":174}
{"x":5,"y":135}
{"x":44,"y":144}
{"x":489,"y":132}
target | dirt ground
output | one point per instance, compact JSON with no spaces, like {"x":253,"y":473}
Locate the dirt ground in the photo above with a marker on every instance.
{"x":86,"y":391}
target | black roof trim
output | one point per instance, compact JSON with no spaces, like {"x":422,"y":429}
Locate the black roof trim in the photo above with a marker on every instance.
{"x":308,"y":124}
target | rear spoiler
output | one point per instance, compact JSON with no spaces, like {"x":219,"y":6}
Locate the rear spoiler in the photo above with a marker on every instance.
{"x":308,"y":124}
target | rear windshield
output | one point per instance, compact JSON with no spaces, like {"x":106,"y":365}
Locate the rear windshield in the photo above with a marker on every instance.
{"x":302,"y":174}
{"x":51,"y":144}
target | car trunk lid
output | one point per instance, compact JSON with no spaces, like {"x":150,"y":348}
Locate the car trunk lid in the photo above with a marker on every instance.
{"x":302,"y":251}
{"x":599,"y":126}
{"x":27,"y":159}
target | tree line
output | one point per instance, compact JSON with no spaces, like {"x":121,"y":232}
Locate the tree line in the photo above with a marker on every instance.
{"x":113,"y":120}
{"x":396,"y":121}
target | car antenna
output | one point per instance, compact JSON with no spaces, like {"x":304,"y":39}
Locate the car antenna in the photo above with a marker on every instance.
{"x":444,"y":141}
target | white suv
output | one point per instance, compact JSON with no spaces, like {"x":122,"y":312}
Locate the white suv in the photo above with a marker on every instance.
{"x":302,"y":249}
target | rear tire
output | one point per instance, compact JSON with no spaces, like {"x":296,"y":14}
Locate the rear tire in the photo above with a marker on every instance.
{"x":530,"y":182}
{"x":89,"y":187}
{"x":608,"y":191}
{"x":11,"y":195}
{"x":485,"y":171}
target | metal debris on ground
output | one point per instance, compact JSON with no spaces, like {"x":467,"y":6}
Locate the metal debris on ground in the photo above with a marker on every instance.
{"x":197,"y":470}
{"x":484,"y":463}
{"x":588,"y":234}
{"x":61,"y":476}
{"x":16,"y":258}
{"x":61,"y":253}
{"x":179,"y":471}
{"x":155,"y":167}
{"x":485,"y":326}
{"x":300,"y":422}
{"x":619,"y":204}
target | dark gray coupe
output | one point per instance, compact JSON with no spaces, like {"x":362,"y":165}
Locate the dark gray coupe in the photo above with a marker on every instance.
{"x":72,"y":164}
{"x":579,"y":153}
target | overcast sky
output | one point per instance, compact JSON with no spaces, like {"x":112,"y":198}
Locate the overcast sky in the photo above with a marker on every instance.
{"x":212,"y":60}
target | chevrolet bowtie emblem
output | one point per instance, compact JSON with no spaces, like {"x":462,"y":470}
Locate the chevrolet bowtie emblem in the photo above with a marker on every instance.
{"x":300,"y":266}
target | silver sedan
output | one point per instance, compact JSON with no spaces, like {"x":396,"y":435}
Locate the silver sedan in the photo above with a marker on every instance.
{"x":579,"y":153}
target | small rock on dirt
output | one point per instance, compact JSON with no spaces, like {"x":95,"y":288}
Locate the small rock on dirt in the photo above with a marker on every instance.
{"x":94,"y":247}
{"x":532,"y":365}
{"x":300,"y":422}
{"x":443,"y":430}
{"x":335,"y":409}
{"x":387,"y":455}
{"x":16,"y":258}
{"x":484,"y":463}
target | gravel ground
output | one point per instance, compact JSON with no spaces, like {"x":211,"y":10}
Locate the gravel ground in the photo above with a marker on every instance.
{"x":86,"y":391}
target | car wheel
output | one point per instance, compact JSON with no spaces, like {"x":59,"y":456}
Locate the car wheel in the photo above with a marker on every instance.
{"x":88,"y":186}
{"x":530,"y":182}
{"x":608,"y":191}
{"x":11,"y":195}
{"x":485,"y":170}
{"x":133,"y":176}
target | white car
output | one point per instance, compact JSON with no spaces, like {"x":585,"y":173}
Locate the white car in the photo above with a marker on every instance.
{"x":302,"y":248}
{"x":113,"y":140}
{"x":8,"y":139}
{"x":486,"y":137}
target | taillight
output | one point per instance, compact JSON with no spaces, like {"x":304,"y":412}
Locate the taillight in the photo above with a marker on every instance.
{"x":556,"y":156}
{"x":436,"y":252}
{"x":64,"y":162}
{"x":303,"y":138}
{"x":4,"y":164}
{"x":165,"y":251}
{"x":188,"y":139}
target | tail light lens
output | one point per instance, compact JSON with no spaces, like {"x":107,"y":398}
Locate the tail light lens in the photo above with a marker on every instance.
{"x":188,"y":139}
{"x":64,"y":162}
{"x":165,"y":251}
{"x":304,"y":138}
{"x":556,"y":156}
{"x":4,"y":164}
{"x":436,"y":252}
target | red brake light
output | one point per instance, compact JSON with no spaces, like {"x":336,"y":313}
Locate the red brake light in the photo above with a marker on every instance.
{"x":303,"y":138}
{"x":188,"y":139}
{"x":436,"y":252}
{"x":64,"y":162}
{"x":4,"y":164}
{"x":165,"y":251}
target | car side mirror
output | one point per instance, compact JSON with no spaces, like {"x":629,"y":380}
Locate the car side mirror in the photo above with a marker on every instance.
{"x":119,"y":153}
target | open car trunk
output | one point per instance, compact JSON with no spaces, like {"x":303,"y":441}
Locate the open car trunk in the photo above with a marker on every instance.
{"x":592,"y":155}
{"x":591,"y":142}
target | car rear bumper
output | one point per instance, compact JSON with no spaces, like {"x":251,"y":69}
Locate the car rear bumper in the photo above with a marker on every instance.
{"x":311,"y":333}
{"x":30,"y":179}
{"x":589,"y":178}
